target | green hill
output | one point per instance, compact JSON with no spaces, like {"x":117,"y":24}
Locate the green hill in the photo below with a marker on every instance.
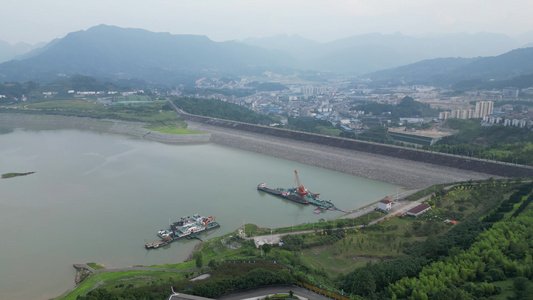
{"x":124,"y":53}
{"x":451,"y":71}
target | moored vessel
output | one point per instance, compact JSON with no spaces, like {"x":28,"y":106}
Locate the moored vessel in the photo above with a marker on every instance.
{"x":187,"y":226}
{"x":300,"y":195}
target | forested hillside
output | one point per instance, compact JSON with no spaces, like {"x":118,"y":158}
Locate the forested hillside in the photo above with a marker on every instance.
{"x":407,"y":108}
{"x":461,"y":72}
{"x":503,"y":253}
{"x":503,"y":143}
{"x":223,"y":110}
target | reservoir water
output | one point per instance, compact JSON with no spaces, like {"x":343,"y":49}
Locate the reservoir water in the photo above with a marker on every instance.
{"x":96,"y":197}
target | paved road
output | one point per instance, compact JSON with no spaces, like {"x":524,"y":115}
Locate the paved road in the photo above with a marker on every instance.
{"x":399,"y":206}
{"x":261,"y":293}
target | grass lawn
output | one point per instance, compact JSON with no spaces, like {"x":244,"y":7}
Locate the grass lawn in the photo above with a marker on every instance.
{"x":507,"y":290}
{"x":329,"y":131}
{"x":122,"y":280}
{"x":360,"y":247}
{"x":173,"y":130}
{"x":144,"y":112}
{"x":96,"y":266}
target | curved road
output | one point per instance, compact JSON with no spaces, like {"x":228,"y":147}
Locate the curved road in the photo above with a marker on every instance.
{"x":261,"y":293}
{"x":399,"y":206}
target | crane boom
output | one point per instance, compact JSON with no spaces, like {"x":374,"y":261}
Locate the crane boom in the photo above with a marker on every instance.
{"x":301,"y":189}
{"x":208,"y":220}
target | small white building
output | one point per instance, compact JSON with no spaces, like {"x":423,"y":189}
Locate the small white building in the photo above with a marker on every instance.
{"x":385,"y":205}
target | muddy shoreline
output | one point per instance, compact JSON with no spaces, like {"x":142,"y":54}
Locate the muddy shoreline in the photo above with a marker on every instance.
{"x":51,"y":122}
{"x":406,"y":173}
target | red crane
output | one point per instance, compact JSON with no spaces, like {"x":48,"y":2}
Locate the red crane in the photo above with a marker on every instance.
{"x":208,"y":220}
{"x":301,"y":189}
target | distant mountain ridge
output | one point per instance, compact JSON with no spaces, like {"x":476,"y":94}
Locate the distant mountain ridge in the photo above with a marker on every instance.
{"x":8,"y":51}
{"x":451,"y":71}
{"x":365,"y":53}
{"x":113,"y":52}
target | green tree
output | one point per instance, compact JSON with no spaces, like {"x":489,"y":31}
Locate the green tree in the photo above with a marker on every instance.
{"x":267,"y":248}
{"x":364,"y":284}
{"x":199,"y":258}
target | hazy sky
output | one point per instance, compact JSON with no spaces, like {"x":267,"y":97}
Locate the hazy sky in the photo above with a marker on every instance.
{"x":323,"y":20}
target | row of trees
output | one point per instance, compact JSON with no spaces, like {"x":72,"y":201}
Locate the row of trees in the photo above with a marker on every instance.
{"x":499,"y":253}
{"x":407,"y":107}
{"x":34,"y":91}
{"x":222,"y":110}
{"x":254,"y":278}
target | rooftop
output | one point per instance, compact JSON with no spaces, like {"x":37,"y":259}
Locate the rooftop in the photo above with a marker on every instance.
{"x":418,"y":209}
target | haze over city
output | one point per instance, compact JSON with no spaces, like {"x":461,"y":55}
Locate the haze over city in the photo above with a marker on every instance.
{"x":34,"y":21}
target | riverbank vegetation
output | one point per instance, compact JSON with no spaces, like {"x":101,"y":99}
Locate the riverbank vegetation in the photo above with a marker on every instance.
{"x":11,"y":175}
{"x":481,"y":254}
{"x":142,"y":112}
{"x":158,"y":115}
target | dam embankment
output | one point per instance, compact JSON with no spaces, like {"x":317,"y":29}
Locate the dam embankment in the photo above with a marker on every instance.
{"x":406,"y":167}
{"x":403,"y":166}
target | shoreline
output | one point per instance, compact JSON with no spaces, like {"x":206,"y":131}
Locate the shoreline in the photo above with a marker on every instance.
{"x":405,"y":173}
{"x":402,"y":172}
{"x":131,"y":128}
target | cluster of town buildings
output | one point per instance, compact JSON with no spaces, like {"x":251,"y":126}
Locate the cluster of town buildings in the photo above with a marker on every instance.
{"x":483,"y":108}
{"x":336,"y":101}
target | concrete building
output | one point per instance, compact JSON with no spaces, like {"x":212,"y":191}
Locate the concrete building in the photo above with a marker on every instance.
{"x":385,"y":205}
{"x":483,"y":108}
{"x":511,"y":92}
{"x":443,"y":115}
{"x":462,"y":113}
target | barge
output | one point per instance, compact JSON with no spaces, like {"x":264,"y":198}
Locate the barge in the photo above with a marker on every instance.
{"x":186,"y":227}
{"x":300,"y":195}
{"x":284,"y":193}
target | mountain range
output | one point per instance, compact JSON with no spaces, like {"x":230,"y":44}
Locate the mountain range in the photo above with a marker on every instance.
{"x":371,"y":52}
{"x":9,"y":52}
{"x":468,"y":72}
{"x":114,"y":53}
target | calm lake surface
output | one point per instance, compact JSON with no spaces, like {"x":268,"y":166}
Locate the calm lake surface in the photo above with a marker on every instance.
{"x":96,"y":197}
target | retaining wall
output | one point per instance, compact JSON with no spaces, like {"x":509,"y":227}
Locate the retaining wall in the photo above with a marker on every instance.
{"x":436,"y":158}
